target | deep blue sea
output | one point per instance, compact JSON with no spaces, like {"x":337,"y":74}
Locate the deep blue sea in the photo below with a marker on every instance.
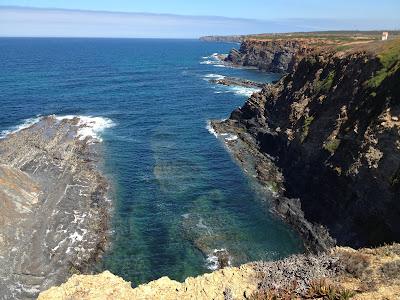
{"x":178,"y":195}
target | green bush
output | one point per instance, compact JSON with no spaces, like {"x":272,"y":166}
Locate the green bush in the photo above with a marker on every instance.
{"x":326,"y":84}
{"x":306,"y":128}
{"x":332,"y":145}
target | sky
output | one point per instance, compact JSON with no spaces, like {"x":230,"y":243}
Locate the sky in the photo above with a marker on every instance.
{"x":191,"y":19}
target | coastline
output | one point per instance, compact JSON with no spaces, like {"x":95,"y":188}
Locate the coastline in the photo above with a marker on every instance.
{"x":245,"y":151}
{"x":58,"y":204}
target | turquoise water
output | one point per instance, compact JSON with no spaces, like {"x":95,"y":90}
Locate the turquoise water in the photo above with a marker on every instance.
{"x":178,"y":195}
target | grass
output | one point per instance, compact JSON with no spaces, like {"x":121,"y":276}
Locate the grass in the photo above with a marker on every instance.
{"x":306,"y":128}
{"x":332,"y":145}
{"x":325,"y":84}
{"x":343,"y":47}
{"x":390,"y":60}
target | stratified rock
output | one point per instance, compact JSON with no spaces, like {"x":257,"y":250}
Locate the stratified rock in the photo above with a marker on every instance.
{"x":54,"y":209}
{"x":331,"y":127}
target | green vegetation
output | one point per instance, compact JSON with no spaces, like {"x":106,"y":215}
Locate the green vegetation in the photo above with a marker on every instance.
{"x":73,"y":270}
{"x":317,"y":289}
{"x":326,"y":84}
{"x":306,"y":128}
{"x":390,"y":60}
{"x":332,"y":145}
{"x":343,"y":47}
{"x":395,"y":179}
{"x":321,"y":289}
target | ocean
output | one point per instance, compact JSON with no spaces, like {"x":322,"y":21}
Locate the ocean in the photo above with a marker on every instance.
{"x":178,"y":196}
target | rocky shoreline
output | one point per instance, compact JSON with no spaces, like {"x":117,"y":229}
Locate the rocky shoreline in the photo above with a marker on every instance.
{"x":247,"y":154}
{"x":55,"y":211}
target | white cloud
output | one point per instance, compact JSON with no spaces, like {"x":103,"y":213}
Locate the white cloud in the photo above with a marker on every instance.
{"x":22,"y":21}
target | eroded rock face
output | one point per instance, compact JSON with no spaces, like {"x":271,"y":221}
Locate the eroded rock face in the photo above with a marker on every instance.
{"x":54,"y":209}
{"x":271,"y":55}
{"x":332,"y":128}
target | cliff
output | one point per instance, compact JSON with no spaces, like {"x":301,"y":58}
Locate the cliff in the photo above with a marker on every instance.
{"x":342,"y":273}
{"x":332,"y":128}
{"x":54,"y":211}
{"x":271,"y":55}
{"x":282,"y":52}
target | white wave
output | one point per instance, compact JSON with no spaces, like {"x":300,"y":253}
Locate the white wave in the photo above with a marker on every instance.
{"x":245,"y":91}
{"x":186,"y":216}
{"x":89,"y":127}
{"x":214,"y":76}
{"x":231,"y":137}
{"x":211,"y":129}
{"x":207,"y":62}
{"x":219,"y":66}
{"x":212,"y":259}
{"x":25,"y":124}
{"x":213,"y":59}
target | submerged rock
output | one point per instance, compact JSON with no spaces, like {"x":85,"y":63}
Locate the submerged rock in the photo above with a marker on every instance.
{"x":54,"y":209}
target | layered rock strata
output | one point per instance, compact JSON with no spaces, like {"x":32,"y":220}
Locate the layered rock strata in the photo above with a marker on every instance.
{"x":54,"y":209}
{"x":332,"y":128}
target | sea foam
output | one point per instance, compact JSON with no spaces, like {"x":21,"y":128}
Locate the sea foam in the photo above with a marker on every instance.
{"x":214,"y":76}
{"x":89,"y":126}
{"x":25,"y":124}
{"x":211,"y":129}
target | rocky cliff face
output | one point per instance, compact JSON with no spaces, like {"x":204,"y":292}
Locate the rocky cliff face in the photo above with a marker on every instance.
{"x":54,"y":211}
{"x":333,"y":128}
{"x":280,"y":55}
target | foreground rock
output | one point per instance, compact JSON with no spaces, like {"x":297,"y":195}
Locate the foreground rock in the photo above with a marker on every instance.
{"x":332,"y":128}
{"x":54,"y":210}
{"x":342,"y":273}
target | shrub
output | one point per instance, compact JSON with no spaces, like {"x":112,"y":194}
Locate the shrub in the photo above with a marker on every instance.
{"x":391,"y":269}
{"x":355,"y":263}
{"x":326,"y":84}
{"x":332,"y":145}
{"x":322,"y":289}
{"x":306,"y":128}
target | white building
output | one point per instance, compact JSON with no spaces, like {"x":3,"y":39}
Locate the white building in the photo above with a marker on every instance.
{"x":385,"y":35}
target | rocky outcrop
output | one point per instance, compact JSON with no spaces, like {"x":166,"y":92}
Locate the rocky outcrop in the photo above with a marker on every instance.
{"x":54,"y":211}
{"x":342,"y":273}
{"x":332,"y":127}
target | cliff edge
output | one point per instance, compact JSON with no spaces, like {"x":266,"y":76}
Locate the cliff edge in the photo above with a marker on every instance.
{"x":343,"y":273}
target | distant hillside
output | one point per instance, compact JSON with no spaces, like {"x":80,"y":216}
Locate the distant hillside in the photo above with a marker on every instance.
{"x":340,"y":35}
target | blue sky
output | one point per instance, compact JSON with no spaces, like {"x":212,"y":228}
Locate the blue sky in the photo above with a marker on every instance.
{"x":186,"y":19}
